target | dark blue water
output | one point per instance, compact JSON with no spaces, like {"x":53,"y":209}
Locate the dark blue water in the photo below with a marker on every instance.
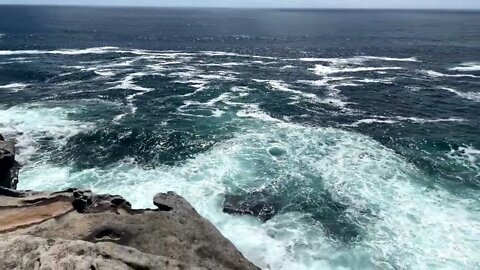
{"x":352,"y":136}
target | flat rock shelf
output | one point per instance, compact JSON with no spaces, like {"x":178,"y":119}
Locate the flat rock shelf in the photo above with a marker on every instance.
{"x":75,"y":229}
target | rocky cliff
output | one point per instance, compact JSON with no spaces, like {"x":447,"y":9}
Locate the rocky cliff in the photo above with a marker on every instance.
{"x":76,"y":229}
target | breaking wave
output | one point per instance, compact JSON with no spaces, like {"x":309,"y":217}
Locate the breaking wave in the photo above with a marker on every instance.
{"x":291,"y":133}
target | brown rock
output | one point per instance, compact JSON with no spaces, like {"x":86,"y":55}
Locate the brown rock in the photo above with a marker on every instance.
{"x":29,"y":252}
{"x":88,"y":224}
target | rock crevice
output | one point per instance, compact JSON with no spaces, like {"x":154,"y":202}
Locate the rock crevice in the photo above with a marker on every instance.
{"x":77,"y":229}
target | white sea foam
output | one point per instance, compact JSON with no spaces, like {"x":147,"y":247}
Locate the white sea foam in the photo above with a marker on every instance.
{"x":397,"y":119}
{"x":14,"y":86}
{"x":282,"y":86}
{"x":327,"y":70}
{"x":105,"y":73}
{"x":327,"y":81}
{"x":254,"y":111}
{"x":436,"y":74}
{"x":473,"y":96}
{"x":216,"y":77}
{"x":128,"y":82}
{"x":359,"y":59}
{"x":374,"y":121}
{"x":468,"y":66}
{"x":424,"y":120}
{"x":336,"y":61}
{"x":227,"y":64}
{"x":30,"y":124}
{"x":412,"y":227}
{"x":98,"y":50}
{"x":390,"y":59}
{"x":367,"y":80}
{"x":119,"y":117}
{"x":468,"y":157}
{"x":214,"y":53}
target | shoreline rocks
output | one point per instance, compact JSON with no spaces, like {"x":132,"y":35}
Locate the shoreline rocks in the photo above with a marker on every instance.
{"x":9,"y":168}
{"x":90,"y":231}
{"x":77,"y":229}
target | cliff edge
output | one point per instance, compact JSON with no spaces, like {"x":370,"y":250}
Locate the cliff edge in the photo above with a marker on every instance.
{"x":76,"y":229}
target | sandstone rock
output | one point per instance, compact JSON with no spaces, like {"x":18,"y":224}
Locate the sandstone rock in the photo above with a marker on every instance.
{"x":76,"y":229}
{"x":29,"y":252}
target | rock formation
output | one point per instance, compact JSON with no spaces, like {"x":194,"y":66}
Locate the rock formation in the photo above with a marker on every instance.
{"x":8,"y":166}
{"x":76,"y":229}
{"x":259,"y":204}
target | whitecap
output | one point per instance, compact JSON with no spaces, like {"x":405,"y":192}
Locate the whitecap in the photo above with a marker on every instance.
{"x":14,"y":86}
{"x":96,"y":50}
{"x":216,"y":77}
{"x":469,"y":155}
{"x":368,"y":80}
{"x":373,"y":121}
{"x":283,"y":86}
{"x":128,"y":82}
{"x":254,"y":111}
{"x":29,"y":124}
{"x":217,"y":53}
{"x":119,"y":117}
{"x":424,"y":120}
{"x":227,"y":64}
{"x":436,"y":74}
{"x":397,"y":119}
{"x":358,"y":59}
{"x":473,"y":96}
{"x":105,"y":73}
{"x":390,"y":59}
{"x":327,"y":70}
{"x":412,"y":227}
{"x":467,"y":66}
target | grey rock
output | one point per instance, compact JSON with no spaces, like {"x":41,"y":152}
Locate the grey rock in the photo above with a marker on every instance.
{"x":135,"y":238}
{"x":29,"y":252}
{"x":8,"y":166}
{"x":259,"y":204}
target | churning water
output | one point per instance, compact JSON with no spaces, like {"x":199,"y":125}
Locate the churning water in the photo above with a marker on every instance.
{"x":358,"y":129}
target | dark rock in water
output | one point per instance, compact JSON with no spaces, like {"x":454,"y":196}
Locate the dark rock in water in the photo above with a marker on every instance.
{"x":47,"y":231}
{"x":8,"y":166}
{"x":257,"y":204}
{"x":322,"y":209}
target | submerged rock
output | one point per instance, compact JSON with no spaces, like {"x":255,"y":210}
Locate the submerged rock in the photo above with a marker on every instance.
{"x":76,"y":229}
{"x":323,"y":210}
{"x":259,"y":204}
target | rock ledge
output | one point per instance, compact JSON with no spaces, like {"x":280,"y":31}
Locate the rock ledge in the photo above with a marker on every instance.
{"x":76,"y":229}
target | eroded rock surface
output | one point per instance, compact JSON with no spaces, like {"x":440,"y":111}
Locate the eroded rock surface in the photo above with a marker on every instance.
{"x":76,"y":229}
{"x":29,"y":252}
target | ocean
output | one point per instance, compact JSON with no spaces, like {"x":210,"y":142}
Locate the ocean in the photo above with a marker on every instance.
{"x":354,"y":133}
